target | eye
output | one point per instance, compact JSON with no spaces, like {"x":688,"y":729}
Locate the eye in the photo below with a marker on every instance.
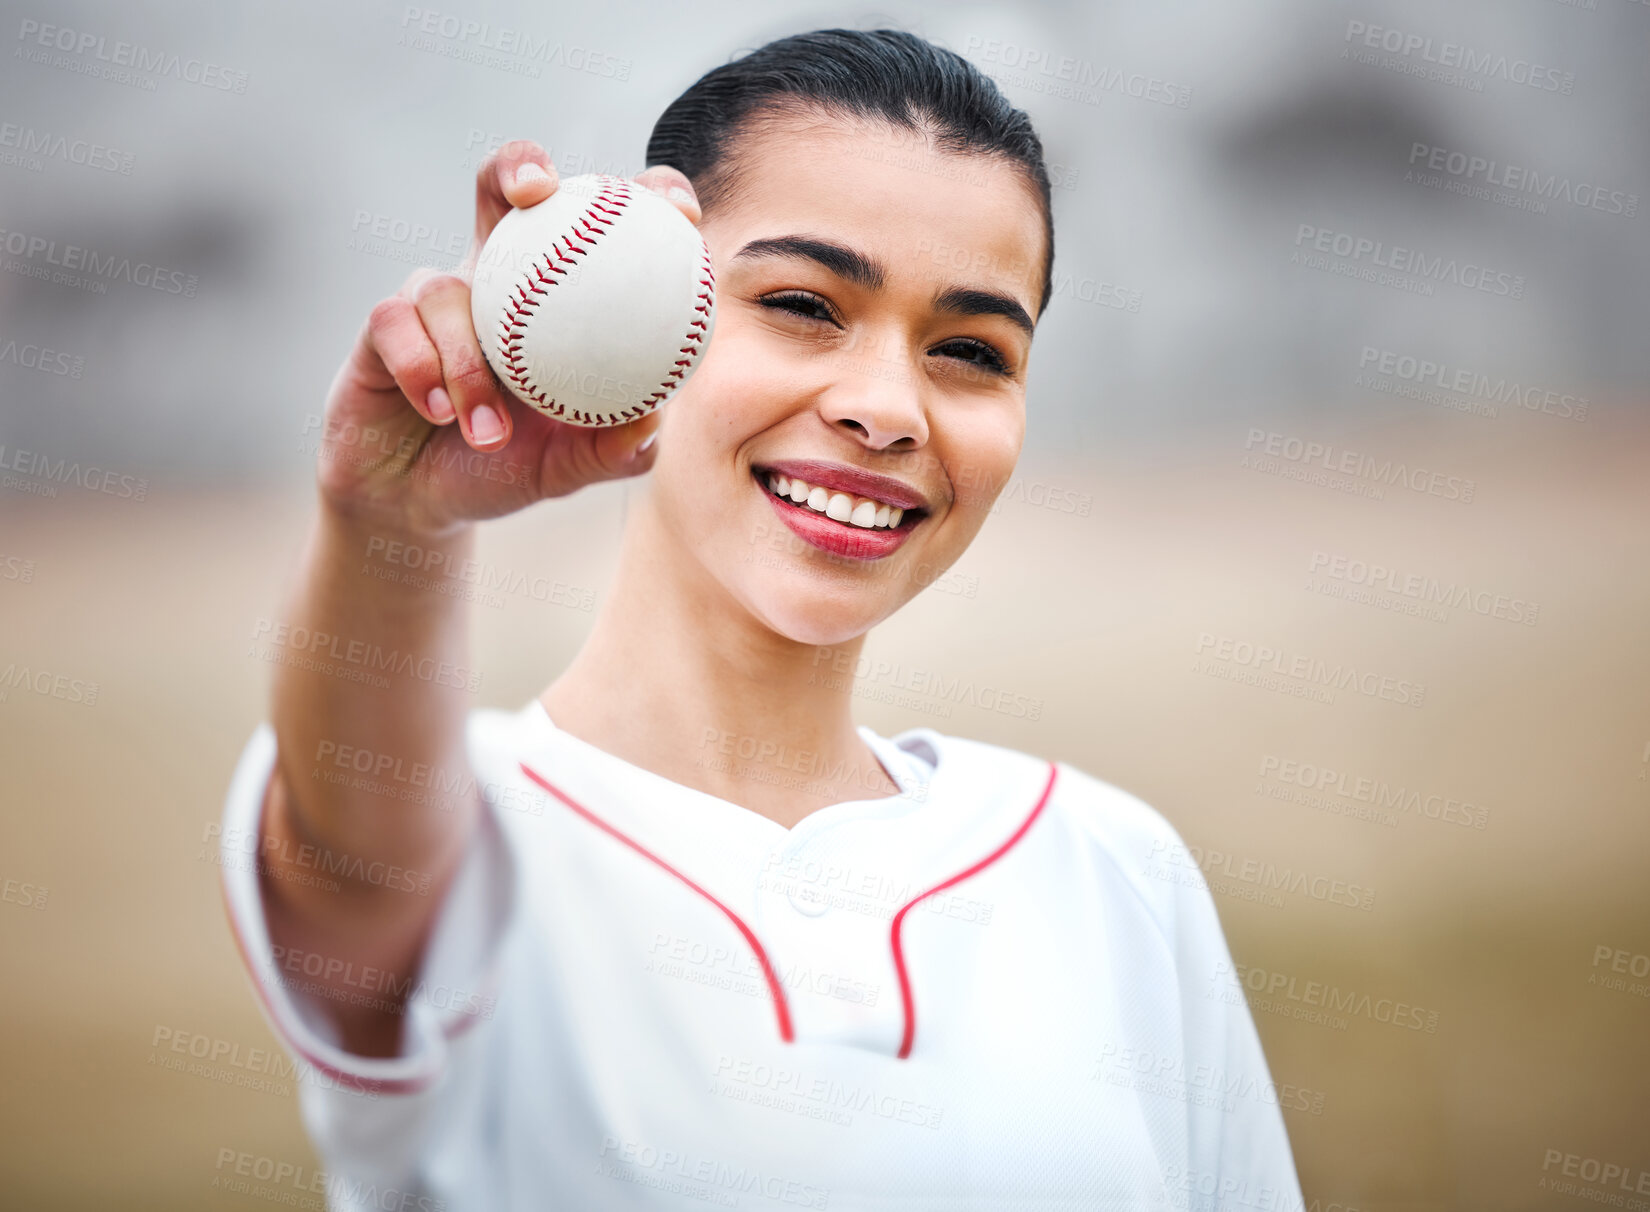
{"x":800,"y":303}
{"x":975,"y":353}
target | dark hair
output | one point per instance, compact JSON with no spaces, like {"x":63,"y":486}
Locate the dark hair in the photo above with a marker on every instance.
{"x":883,"y":73}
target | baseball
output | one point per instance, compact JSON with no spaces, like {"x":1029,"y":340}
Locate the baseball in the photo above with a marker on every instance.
{"x":596,"y":304}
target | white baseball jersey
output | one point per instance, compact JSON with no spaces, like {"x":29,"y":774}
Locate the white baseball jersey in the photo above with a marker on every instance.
{"x":980,"y":993}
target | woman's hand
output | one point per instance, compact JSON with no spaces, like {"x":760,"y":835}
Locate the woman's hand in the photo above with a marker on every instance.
{"x":420,"y":435}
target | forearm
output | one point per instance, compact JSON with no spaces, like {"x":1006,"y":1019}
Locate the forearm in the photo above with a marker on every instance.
{"x":372,"y":805}
{"x":370,"y":720}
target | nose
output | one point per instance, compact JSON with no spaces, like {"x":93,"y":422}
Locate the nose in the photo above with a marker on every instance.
{"x":883,"y":412}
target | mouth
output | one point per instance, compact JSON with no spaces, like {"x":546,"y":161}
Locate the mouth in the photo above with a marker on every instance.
{"x":842,"y":510}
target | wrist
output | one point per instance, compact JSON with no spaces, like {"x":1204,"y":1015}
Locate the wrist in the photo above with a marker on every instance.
{"x":362,"y":555}
{"x":354,"y":521}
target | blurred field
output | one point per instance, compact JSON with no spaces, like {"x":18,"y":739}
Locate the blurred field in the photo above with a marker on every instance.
{"x":1098,"y":619}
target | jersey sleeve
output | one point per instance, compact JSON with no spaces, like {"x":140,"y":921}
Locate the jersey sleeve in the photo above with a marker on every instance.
{"x":453,"y":995}
{"x":1236,"y":1144}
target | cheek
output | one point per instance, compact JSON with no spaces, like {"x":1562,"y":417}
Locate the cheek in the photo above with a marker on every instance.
{"x":737,"y":390}
{"x":734,"y":396}
{"x":980,"y":458}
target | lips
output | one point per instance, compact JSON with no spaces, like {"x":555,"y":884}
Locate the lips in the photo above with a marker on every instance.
{"x":844,"y":511}
{"x":839,"y":538}
{"x":855,"y":481}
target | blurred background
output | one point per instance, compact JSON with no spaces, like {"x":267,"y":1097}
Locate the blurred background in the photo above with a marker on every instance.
{"x":1345,"y":370}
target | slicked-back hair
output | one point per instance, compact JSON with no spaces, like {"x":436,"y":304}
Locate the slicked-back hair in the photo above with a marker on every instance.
{"x":882,"y":74}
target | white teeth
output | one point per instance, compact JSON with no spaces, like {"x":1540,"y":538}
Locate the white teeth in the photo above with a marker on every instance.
{"x":864,"y":512}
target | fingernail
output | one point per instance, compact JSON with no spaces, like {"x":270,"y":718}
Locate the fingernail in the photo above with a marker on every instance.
{"x":528,"y":173}
{"x":677,"y":194}
{"x":485,"y":426}
{"x":440,"y":405}
{"x":641,"y":448}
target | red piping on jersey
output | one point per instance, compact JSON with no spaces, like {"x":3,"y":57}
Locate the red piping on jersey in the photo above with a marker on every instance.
{"x":346,"y":1081}
{"x":899,"y":918}
{"x":774,"y":987}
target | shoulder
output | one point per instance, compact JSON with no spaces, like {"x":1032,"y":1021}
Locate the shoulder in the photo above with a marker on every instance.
{"x":1118,"y":821}
{"x":1131,"y":846}
{"x":1114,"y":819}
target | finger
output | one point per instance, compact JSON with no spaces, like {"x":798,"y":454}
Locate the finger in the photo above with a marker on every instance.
{"x":629,"y":449}
{"x":397,"y":336}
{"x":416,"y":279}
{"x":518,"y":174}
{"x":673,"y":185}
{"x":443,"y":303}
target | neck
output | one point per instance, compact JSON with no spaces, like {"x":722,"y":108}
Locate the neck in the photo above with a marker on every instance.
{"x":679,"y":678}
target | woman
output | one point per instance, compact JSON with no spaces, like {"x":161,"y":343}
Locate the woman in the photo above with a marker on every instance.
{"x":677,"y":932}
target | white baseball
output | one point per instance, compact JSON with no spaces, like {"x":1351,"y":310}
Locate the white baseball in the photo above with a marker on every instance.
{"x":596,"y":304}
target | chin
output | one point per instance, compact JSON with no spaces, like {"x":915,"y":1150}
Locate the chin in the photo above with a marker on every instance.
{"x":796,"y":607}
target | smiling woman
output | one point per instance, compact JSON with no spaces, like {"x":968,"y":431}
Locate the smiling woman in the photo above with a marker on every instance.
{"x":823,"y":276}
{"x":678,"y":930}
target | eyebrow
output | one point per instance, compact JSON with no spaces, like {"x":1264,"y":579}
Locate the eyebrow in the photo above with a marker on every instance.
{"x":841,"y":260}
{"x":968,"y":301}
{"x":856,"y":267}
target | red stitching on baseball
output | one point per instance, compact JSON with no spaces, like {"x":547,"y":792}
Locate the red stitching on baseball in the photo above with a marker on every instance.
{"x":602,"y":212}
{"x":694,"y":338}
{"x":610,"y":200}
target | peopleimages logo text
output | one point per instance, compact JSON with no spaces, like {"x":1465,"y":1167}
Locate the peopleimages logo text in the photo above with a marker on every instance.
{"x":1411,"y":262}
{"x":127,"y":54}
{"x":105,"y":266}
{"x":1441,"y":53}
{"x":1334,"y":458}
{"x":1520,"y":179}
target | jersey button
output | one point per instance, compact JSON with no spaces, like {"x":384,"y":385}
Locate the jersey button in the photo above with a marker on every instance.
{"x":806,"y":899}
